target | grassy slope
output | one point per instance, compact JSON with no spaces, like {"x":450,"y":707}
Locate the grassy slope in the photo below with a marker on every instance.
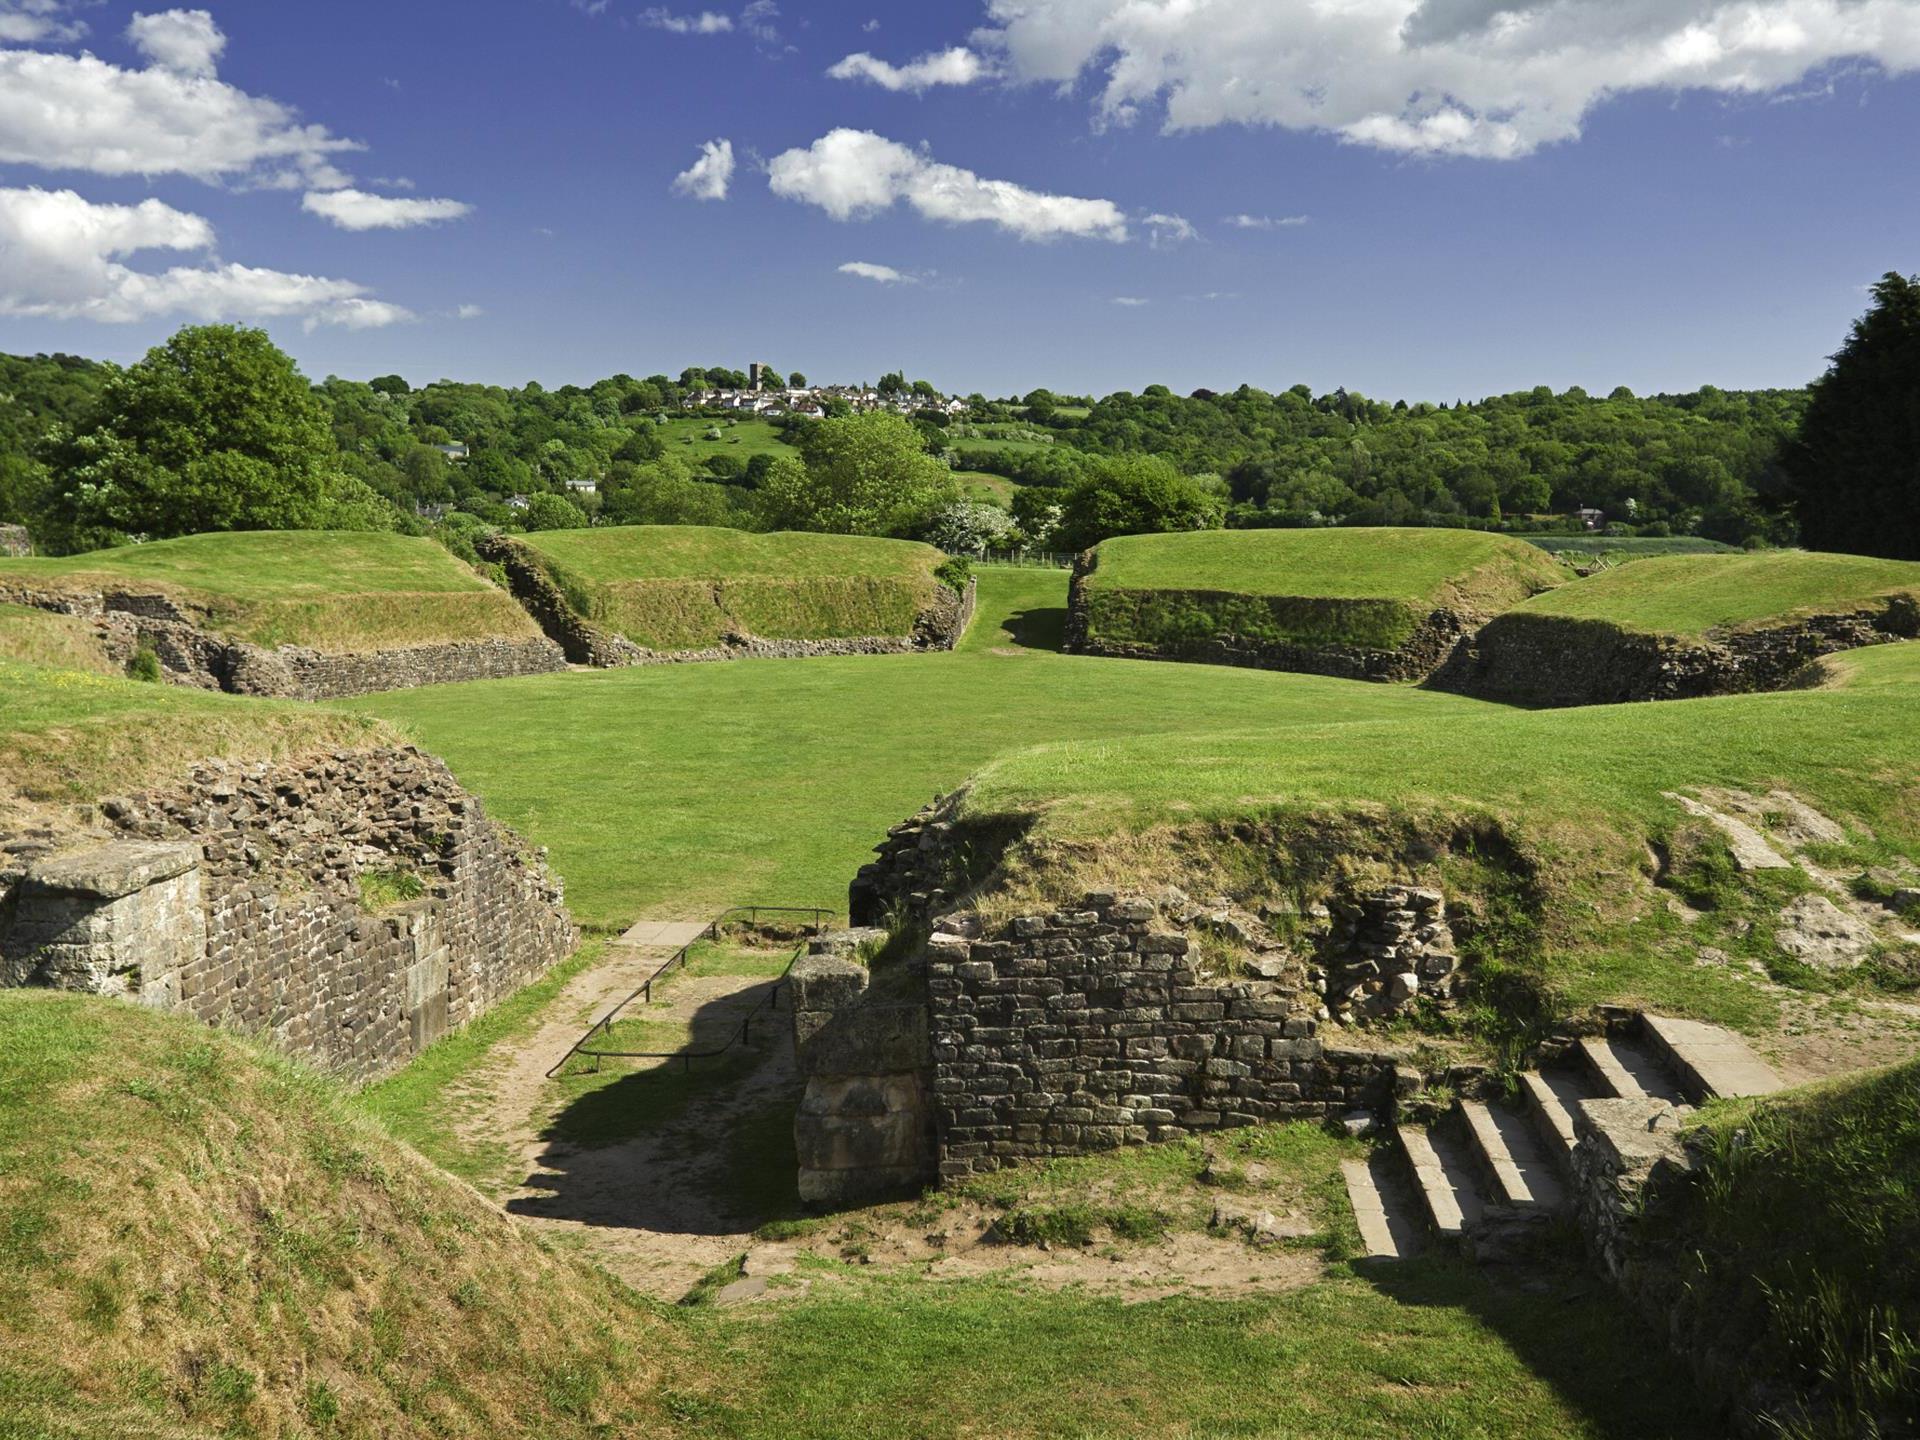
{"x":1805,"y":1215}
{"x":742,"y":440}
{"x":40,"y":637}
{"x":67,"y":734}
{"x":197,"y":1239}
{"x":680,"y":587}
{"x":1368,"y":587}
{"x":330,"y":590}
{"x":1688,"y":595}
{"x":679,"y":790}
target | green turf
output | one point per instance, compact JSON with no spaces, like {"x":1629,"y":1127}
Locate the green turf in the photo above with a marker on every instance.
{"x":677,"y":790}
{"x":1689,"y":595}
{"x":327,"y":589}
{"x":742,"y":439}
{"x":689,"y":587}
{"x":41,"y":637}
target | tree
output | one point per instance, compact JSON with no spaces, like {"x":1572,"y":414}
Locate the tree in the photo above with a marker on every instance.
{"x":967,"y":527}
{"x":797,"y":381}
{"x":862,"y":475}
{"x":1854,"y":472}
{"x":214,"y":430}
{"x":892,"y":383}
{"x":1134,"y":495}
{"x":553,"y":512}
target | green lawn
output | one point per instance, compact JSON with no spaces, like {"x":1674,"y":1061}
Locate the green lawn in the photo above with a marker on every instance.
{"x":1419,"y":566}
{"x":1689,"y":595}
{"x":41,"y":637}
{"x":328,"y":589}
{"x":617,"y":553}
{"x":742,"y":439}
{"x":676,"y":790}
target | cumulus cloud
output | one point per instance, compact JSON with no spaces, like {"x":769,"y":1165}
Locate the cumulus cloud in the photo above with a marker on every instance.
{"x":77,"y":112}
{"x":35,"y":22}
{"x":958,"y":66}
{"x":854,"y":174}
{"x":186,"y":42}
{"x":709,"y":176}
{"x":64,"y":259}
{"x":1166,"y":231}
{"x":357,"y":210}
{"x":884,"y":274}
{"x":707,"y":22}
{"x":1488,"y":78}
{"x":1265,"y":222}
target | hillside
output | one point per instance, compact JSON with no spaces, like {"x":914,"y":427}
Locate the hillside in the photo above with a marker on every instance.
{"x":687,"y":587}
{"x":1363,"y":603}
{"x":202,"y":1240}
{"x":1690,"y":596}
{"x":330,"y":591}
{"x":40,"y":637}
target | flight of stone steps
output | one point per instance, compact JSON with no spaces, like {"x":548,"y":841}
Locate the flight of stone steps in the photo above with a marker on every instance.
{"x":1490,"y":1175}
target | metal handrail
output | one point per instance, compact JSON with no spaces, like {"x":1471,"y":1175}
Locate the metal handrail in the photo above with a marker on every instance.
{"x":679,"y":957}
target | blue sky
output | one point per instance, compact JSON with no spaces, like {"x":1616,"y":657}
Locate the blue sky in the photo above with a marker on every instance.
{"x":1578,"y":191}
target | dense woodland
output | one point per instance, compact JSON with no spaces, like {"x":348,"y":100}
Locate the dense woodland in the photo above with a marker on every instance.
{"x":77,"y":439}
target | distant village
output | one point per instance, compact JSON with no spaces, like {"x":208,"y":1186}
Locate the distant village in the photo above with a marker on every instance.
{"x":811,"y":401}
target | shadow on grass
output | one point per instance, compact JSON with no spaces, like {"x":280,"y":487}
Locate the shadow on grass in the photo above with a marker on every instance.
{"x":1571,"y":1330}
{"x":1042,"y":629}
{"x":690,"y":1145}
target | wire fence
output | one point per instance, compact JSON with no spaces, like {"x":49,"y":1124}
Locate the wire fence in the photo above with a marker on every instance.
{"x":1026,"y":559}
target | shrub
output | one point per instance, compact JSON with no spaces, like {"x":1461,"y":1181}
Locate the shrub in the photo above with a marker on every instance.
{"x":145,"y":665}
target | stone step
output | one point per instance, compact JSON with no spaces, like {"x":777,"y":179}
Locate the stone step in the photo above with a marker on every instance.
{"x":1389,"y":1218}
{"x":1512,"y":1158}
{"x":1443,"y":1173}
{"x":1550,"y":1096}
{"x":1709,"y":1062}
{"x":1628,"y":1071}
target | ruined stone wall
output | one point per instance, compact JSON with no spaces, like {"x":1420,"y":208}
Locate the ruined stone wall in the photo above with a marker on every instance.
{"x":938,"y":627}
{"x":1549,"y":661}
{"x":263,"y":879}
{"x":189,"y":654}
{"x":1432,"y":641}
{"x":1089,"y":1029}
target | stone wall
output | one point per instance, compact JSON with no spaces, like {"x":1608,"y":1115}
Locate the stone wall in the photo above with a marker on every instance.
{"x":189,"y":654}
{"x":1548,"y":661}
{"x":939,"y":627}
{"x":1093,"y":1028}
{"x":237,"y":897}
{"x":1434,"y":637}
{"x":14,"y":541}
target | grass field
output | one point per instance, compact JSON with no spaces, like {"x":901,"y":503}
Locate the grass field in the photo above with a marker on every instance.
{"x":742,"y":439}
{"x":1689,"y":595}
{"x":682,"y":587}
{"x":329,"y":590}
{"x":40,"y":637}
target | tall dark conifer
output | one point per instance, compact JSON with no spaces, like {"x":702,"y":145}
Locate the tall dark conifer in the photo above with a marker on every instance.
{"x":1854,"y":472}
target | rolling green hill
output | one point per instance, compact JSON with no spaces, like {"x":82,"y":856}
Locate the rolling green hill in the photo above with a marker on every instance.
{"x":328,"y":590}
{"x":685,"y":587}
{"x":1690,"y":595}
{"x":39,"y":637}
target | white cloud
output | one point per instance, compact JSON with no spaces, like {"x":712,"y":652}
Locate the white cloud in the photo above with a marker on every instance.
{"x":958,"y":66}
{"x":35,"y":22}
{"x":1166,"y":231}
{"x":870,"y":27}
{"x":1489,"y":78}
{"x":707,"y":22}
{"x":758,"y":21}
{"x":63,"y":261}
{"x":854,"y":174}
{"x":357,"y":210}
{"x":1131,"y":302}
{"x":709,"y":176}
{"x":469,"y":312}
{"x":77,"y":112}
{"x":884,"y":274}
{"x":186,"y":42}
{"x":1265,"y":222}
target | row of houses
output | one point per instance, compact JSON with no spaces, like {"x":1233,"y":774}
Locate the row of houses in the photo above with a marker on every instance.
{"x":812,"y":401}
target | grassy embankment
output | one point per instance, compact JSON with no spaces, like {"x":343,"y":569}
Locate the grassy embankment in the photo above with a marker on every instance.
{"x":328,"y":591}
{"x":1362,"y":587}
{"x":684,"y":587}
{"x":40,"y":637}
{"x":1691,"y":595}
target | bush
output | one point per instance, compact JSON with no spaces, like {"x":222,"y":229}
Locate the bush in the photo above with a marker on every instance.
{"x":1134,"y":495}
{"x":553,"y":512}
{"x":145,"y":665}
{"x":954,"y":572}
{"x":967,"y":527}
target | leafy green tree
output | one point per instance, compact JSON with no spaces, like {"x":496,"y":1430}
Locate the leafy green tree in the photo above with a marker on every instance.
{"x":797,"y":381}
{"x":967,"y":527}
{"x":862,"y":475}
{"x":553,"y":512}
{"x":1134,"y":495}
{"x":214,"y":430}
{"x":892,"y":383}
{"x":1854,"y":472}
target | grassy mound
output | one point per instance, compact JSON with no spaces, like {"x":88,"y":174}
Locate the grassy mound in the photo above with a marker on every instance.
{"x":328,"y":590}
{"x":70,"y":734}
{"x":201,"y":1240}
{"x":1689,"y":596}
{"x":39,"y":637}
{"x":1803,"y":1220}
{"x":687,"y":587}
{"x":1368,"y":588}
